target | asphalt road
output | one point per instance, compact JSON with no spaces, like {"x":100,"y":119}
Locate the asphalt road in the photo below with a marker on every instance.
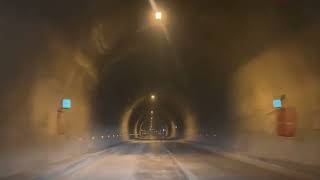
{"x":150,"y":160}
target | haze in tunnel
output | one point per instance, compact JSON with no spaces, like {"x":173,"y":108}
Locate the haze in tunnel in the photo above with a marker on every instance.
{"x":191,"y":82}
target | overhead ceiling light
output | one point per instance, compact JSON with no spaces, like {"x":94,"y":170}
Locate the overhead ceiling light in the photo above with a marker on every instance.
{"x":158,"y":15}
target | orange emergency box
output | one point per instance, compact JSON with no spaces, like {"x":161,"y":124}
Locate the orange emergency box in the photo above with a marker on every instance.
{"x":287,"y":122}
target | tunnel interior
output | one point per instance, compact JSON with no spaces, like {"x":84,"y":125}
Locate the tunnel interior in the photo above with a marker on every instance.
{"x":162,"y":118}
{"x":213,"y":67}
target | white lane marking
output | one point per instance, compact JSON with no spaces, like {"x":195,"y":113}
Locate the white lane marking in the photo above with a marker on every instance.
{"x":139,"y":151}
{"x":188,"y":173}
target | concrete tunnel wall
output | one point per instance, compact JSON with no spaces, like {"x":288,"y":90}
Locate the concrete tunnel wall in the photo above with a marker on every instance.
{"x":41,"y":64}
{"x":44,"y":58}
{"x":32,"y":99}
{"x":291,"y":69}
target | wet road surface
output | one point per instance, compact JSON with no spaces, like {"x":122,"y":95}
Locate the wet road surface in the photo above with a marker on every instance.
{"x":160,"y":160}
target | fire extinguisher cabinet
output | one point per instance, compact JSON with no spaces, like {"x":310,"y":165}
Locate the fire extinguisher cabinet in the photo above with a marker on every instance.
{"x":286,"y":120}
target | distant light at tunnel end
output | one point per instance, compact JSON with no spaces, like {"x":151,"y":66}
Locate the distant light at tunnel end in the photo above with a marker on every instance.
{"x":153,"y":97}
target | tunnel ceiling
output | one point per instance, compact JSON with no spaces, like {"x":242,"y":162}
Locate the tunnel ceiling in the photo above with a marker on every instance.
{"x":205,"y":43}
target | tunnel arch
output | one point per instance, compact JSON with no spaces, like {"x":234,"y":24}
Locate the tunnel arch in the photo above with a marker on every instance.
{"x":168,"y":125}
{"x":188,"y":121}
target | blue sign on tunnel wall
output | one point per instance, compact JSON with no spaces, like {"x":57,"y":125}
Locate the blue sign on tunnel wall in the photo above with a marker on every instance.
{"x":277,"y":103}
{"x":66,"y":103}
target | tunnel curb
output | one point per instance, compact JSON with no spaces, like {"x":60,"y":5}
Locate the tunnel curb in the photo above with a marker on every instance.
{"x":67,"y":159}
{"x":75,"y":162}
{"x":259,"y":163}
{"x":89,"y":152}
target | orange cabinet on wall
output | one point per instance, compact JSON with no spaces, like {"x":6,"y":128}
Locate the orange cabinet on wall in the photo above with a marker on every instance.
{"x":287,"y":121}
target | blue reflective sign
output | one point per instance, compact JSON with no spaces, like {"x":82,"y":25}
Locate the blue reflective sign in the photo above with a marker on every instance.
{"x":66,"y":103}
{"x":277,"y":103}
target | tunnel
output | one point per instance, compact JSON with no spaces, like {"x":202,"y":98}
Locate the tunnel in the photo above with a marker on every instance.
{"x":168,"y":117}
{"x":161,"y":89}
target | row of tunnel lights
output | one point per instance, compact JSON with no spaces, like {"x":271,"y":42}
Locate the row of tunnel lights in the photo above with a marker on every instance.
{"x":207,"y":135}
{"x":102,"y":137}
{"x":118,"y":135}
